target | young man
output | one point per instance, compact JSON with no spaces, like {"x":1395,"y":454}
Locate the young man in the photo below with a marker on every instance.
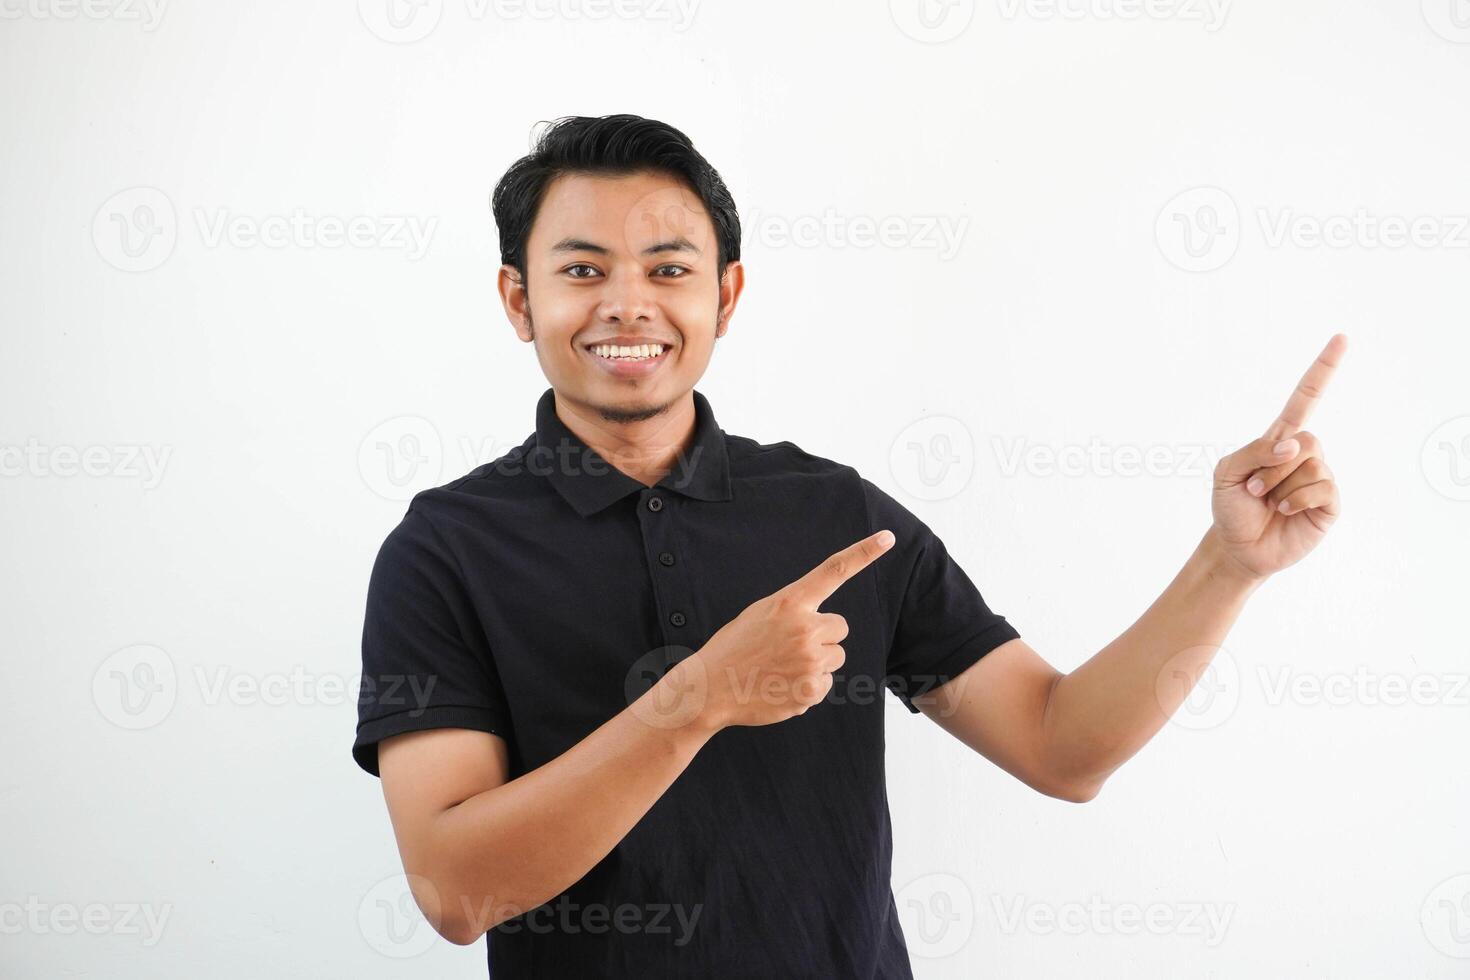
{"x":624,"y":685}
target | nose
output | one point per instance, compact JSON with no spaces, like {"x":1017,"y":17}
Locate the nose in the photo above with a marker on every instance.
{"x":626,"y":298}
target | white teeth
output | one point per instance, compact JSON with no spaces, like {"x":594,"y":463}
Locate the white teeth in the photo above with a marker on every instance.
{"x":637,"y":352}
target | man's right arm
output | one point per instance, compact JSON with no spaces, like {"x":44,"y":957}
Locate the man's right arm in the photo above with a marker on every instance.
{"x":479,"y":849}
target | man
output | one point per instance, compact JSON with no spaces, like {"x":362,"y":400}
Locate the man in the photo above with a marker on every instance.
{"x":624,"y":685}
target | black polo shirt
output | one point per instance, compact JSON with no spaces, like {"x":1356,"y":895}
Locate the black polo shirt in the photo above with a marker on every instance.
{"x":541,"y":593}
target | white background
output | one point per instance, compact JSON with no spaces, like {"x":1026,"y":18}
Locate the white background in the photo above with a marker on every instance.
{"x":1070,"y":311}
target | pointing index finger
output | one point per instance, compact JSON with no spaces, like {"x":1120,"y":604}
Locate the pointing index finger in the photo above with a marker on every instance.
{"x":1308,"y":390}
{"x":817,"y":585}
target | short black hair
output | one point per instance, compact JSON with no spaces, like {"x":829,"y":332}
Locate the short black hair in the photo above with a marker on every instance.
{"x":613,"y":145}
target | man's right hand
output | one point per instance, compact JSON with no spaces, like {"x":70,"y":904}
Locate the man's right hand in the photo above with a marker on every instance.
{"x":775,"y":660}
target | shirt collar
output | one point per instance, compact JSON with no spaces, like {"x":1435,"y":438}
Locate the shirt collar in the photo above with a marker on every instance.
{"x":590,"y":483}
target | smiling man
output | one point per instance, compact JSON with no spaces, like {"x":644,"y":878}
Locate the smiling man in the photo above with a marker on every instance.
{"x":624,"y":685}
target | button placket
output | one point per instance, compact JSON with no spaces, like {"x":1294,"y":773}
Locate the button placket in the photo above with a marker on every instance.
{"x":656,"y":519}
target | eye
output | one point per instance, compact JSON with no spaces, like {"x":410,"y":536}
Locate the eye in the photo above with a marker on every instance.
{"x":571,"y":270}
{"x":671,"y":271}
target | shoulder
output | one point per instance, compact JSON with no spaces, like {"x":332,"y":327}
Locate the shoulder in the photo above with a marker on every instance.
{"x":492,"y":491}
{"x":749,"y":458}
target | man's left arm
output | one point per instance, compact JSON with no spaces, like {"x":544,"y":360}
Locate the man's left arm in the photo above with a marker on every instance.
{"x":1065,"y":734}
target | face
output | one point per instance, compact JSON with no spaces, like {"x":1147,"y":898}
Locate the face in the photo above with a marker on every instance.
{"x":621,"y":297}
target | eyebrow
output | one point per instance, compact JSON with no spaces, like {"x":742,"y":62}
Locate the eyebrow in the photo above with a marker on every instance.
{"x":678,"y":244}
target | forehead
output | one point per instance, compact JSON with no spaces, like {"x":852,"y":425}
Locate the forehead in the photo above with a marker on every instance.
{"x":620,"y":212}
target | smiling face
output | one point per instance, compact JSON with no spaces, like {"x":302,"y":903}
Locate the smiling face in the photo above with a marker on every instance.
{"x":622,"y":296}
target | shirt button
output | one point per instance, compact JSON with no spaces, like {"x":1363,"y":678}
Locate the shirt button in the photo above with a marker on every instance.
{"x":666,"y":558}
{"x":677,"y":618}
{"x":655,"y":503}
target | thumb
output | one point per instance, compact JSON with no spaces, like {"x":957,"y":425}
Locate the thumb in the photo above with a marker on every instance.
{"x":1239,"y":465}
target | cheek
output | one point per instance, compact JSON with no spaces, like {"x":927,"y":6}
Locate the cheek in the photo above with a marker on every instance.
{"x":694,"y":316}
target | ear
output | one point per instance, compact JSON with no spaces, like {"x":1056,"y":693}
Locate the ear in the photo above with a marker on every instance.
{"x":731,"y":286}
{"x":513,"y":297}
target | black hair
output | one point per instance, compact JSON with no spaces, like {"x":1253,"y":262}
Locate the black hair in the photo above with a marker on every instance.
{"x":619,"y":144}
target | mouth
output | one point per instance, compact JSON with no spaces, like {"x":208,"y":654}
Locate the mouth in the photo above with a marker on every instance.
{"x":628,"y":361}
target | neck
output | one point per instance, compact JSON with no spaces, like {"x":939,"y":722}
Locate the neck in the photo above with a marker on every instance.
{"x":646,"y":449}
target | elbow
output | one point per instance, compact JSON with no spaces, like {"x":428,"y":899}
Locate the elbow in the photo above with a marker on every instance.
{"x":449,"y":910}
{"x":1078,"y":792}
{"x":1073,"y":788}
{"x":461,"y":934}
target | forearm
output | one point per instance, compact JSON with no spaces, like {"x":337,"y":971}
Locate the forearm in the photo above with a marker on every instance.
{"x":1100,"y":715}
{"x":514,"y":847}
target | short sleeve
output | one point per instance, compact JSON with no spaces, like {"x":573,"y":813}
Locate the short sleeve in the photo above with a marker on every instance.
{"x":425,"y":661}
{"x":940,"y":623}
